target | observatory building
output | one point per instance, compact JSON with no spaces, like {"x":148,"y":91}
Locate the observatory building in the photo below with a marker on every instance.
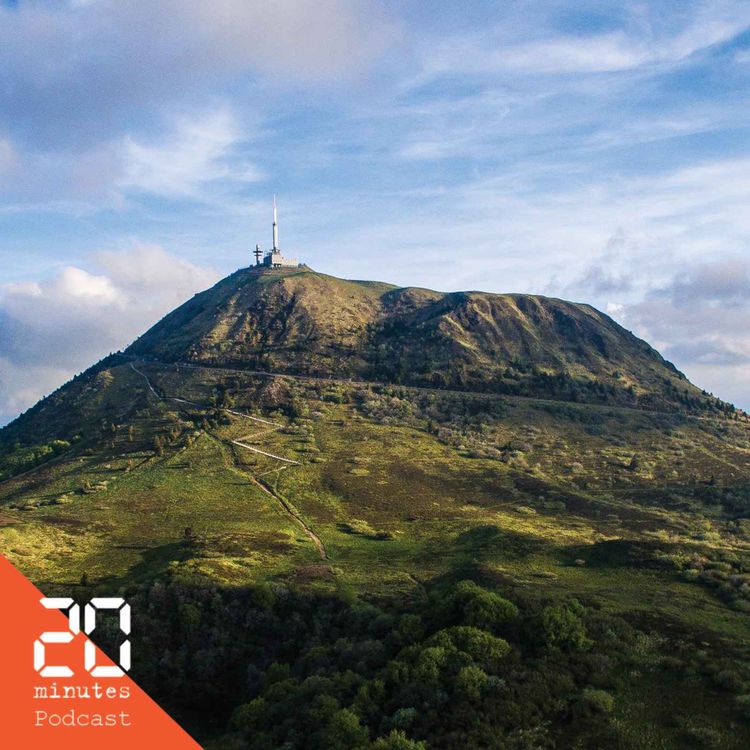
{"x":273,"y":258}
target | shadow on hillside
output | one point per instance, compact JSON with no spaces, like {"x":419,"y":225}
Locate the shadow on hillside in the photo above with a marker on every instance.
{"x":492,"y":542}
{"x":619,"y":553}
{"x":153,"y":564}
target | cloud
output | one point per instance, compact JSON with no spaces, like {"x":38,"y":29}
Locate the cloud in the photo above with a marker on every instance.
{"x":529,"y":83}
{"x":51,"y":329}
{"x":194,"y":154}
{"x":701,"y":319}
{"x":610,"y":273}
{"x":537,"y":227}
{"x":618,"y":51}
{"x":18,"y":391}
{"x":532,"y":43}
{"x":724,"y":283}
{"x":73,"y":72}
{"x":197,"y":152}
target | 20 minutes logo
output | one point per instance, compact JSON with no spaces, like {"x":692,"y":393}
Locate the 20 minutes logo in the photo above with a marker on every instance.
{"x":74,"y":628}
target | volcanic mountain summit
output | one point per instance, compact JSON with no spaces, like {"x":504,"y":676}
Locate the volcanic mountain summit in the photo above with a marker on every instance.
{"x":303,"y":322}
{"x":297,"y":322}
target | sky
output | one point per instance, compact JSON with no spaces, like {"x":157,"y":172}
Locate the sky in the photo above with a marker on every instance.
{"x":593,"y":151}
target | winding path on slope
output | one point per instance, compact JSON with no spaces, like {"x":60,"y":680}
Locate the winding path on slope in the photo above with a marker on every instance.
{"x":241,"y":442}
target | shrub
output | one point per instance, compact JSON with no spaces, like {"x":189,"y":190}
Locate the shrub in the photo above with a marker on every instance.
{"x":597,"y":701}
{"x":704,"y":737}
{"x":729,"y":680}
{"x":562,"y":627}
{"x":357,"y":526}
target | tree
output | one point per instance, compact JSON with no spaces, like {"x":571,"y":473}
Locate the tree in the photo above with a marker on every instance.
{"x":404,"y":717}
{"x":397,"y":740}
{"x":189,"y":616}
{"x":344,"y":732}
{"x":249,"y":716}
{"x":481,"y":608}
{"x":470,"y":683}
{"x":485,"y":649}
{"x":409,"y":630}
{"x":563,"y":628}
{"x":430,"y":662}
{"x":263,"y":596}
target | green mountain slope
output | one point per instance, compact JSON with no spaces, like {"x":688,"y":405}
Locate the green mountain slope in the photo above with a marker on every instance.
{"x":291,"y":475}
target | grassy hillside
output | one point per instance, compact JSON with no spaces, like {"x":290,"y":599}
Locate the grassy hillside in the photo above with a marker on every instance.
{"x":319,"y":560}
{"x":639,"y":515}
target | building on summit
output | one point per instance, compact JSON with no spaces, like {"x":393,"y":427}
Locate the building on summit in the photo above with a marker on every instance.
{"x":273,"y":257}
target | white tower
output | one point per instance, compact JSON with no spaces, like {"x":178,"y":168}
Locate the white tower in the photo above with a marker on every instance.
{"x":273,"y":257}
{"x":275,"y":226}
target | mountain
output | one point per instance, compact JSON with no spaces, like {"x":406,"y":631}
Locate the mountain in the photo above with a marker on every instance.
{"x":307,"y":323}
{"x":350,"y":515}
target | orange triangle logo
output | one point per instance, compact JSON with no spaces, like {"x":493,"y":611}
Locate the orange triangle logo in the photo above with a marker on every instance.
{"x":58,"y":690}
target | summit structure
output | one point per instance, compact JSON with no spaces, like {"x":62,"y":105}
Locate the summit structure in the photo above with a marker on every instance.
{"x":273,"y":258}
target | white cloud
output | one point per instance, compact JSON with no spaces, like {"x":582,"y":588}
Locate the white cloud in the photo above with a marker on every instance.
{"x":616,"y":51}
{"x":53,"y":328}
{"x":20,"y":388}
{"x":529,"y":43}
{"x":73,"y":72}
{"x":197,"y":152}
{"x":84,"y":287}
{"x":528,"y":234}
{"x":700,"y":320}
{"x":150,"y":272}
{"x":568,"y":54}
{"x":305,"y":39}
